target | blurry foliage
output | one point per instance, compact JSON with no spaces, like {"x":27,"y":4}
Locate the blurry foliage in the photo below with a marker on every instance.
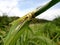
{"x":4,"y":23}
{"x":42,"y":29}
{"x":48,"y":29}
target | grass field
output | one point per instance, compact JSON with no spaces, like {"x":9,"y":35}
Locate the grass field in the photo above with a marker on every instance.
{"x":39,"y":32}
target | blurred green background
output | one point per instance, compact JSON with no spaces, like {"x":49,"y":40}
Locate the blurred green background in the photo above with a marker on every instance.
{"x":40,"y":27}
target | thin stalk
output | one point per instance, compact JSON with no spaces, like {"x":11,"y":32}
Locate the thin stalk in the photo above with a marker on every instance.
{"x":45,"y":7}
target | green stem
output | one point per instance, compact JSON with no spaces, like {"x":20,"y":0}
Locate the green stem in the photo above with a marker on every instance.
{"x":45,"y":7}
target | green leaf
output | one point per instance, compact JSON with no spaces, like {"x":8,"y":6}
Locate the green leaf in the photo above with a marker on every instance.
{"x":17,"y":25}
{"x":19,"y":33}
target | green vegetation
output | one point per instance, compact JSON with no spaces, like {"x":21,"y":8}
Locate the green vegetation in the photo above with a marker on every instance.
{"x":5,"y":24}
{"x":24,"y":31}
{"x":5,"y":20}
{"x":43,"y":31}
